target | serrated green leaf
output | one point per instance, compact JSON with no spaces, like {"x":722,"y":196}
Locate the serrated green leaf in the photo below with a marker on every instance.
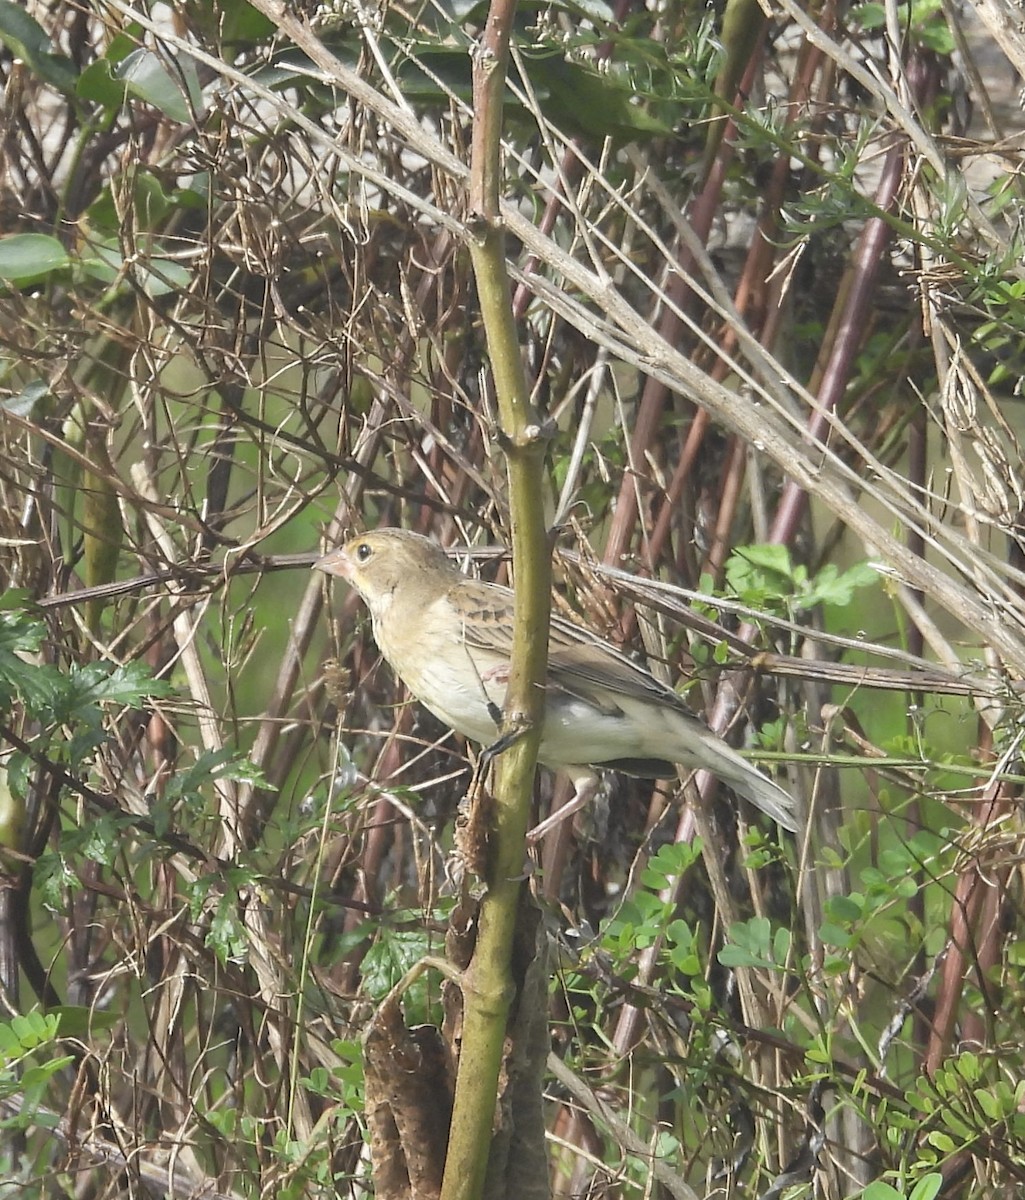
{"x":211,"y":767}
{"x":53,"y":878}
{"x":86,"y":688}
{"x":767,"y":557}
{"x":227,"y":936}
{"x":100,"y":840}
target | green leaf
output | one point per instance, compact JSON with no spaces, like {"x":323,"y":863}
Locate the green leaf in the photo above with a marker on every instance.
{"x":831,"y":587}
{"x":99,"y":683}
{"x":54,"y":878}
{"x":942,"y":1141}
{"x":781,"y":945}
{"x":35,"y":1028}
{"x":881,"y":1191}
{"x":209,"y":767}
{"x":388,"y":960}
{"x":223,"y":1120}
{"x":990,"y":1104}
{"x":150,"y":270}
{"x":20,"y":634}
{"x":25,"y":403}
{"x":591,"y":10}
{"x":36,"y":684}
{"x":149,"y":202}
{"x":769,"y":557}
{"x":29,"y":257}
{"x":101,"y":838}
{"x":844,"y":908}
{"x":581,"y":100}
{"x":26,"y":1032}
{"x":227,"y":936}
{"x":15,"y":598}
{"x":78,"y":1021}
{"x":870,"y":16}
{"x":234,"y":22}
{"x":99,"y":84}
{"x":667,"y":864}
{"x":144,"y":75}
{"x":968,"y":1067}
{"x":164,"y":277}
{"x":27,"y":40}
{"x":750,"y":944}
{"x":928,"y":1187}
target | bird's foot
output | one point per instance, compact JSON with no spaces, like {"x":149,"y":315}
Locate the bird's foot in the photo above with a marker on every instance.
{"x":511,"y":736}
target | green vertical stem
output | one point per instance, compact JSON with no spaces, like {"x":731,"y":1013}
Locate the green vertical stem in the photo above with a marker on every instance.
{"x":487,"y":984}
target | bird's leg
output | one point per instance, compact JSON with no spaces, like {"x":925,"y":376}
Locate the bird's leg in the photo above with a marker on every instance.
{"x":507,"y":739}
{"x":585,"y":787}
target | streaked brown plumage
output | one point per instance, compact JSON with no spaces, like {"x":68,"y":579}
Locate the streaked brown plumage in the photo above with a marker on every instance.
{"x":449,"y":638}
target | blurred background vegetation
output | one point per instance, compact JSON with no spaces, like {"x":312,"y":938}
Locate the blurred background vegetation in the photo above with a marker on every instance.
{"x":769,"y":281}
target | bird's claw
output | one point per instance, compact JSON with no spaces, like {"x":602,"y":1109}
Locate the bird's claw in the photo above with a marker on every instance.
{"x":505,"y":740}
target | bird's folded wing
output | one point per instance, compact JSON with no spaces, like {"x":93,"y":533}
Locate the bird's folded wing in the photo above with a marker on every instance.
{"x":579,"y":663}
{"x":599,"y":673}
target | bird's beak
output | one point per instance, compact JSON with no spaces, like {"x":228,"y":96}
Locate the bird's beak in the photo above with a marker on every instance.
{"x":335,"y":563}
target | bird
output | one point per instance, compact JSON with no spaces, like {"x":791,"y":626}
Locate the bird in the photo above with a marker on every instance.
{"x":448,"y":636}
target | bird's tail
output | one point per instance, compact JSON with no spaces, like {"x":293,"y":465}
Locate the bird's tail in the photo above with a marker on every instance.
{"x":761,"y":791}
{"x":726,"y":764}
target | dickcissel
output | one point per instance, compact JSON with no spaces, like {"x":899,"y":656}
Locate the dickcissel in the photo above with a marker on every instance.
{"x":449,"y":639}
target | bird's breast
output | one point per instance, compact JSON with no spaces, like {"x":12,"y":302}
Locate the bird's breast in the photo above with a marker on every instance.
{"x":434,"y":665}
{"x":460,"y":697}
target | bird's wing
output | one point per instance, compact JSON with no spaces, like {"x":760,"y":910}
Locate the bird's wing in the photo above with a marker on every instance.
{"x":580,"y":664}
{"x":486,"y":613}
{"x":589,"y":668}
{"x":584,"y":670}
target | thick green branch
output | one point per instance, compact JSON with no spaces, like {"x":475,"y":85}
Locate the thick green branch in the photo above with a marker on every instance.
{"x":488,"y":985}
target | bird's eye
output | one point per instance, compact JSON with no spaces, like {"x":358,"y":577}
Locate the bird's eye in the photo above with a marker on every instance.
{"x":363,"y":551}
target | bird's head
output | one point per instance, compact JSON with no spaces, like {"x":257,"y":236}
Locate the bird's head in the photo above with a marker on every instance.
{"x":379,"y":563}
